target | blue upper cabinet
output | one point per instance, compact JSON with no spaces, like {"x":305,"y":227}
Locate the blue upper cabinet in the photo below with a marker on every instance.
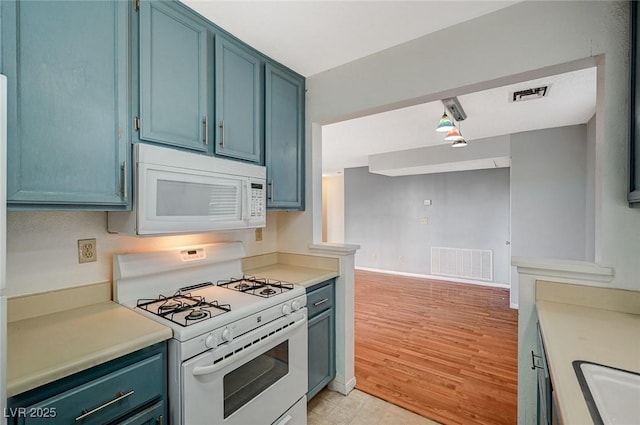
{"x":173,"y":77}
{"x":284,"y":138}
{"x":238,"y":101}
{"x":67,"y":108}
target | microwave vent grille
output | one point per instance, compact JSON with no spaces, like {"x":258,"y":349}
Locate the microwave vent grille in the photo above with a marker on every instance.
{"x":223,"y":201}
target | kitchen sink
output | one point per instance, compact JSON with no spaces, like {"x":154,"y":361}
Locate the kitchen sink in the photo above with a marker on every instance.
{"x":612,"y":395}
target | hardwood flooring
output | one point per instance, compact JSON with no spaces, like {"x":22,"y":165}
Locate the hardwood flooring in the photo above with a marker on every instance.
{"x":444,"y":350}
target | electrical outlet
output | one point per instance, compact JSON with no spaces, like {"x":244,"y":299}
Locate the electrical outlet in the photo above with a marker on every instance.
{"x":87,"y":250}
{"x":424,"y":221}
{"x":258,"y":234}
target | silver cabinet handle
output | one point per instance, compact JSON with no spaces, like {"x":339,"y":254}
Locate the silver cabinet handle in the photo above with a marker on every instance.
{"x":206,"y":130}
{"x":534,"y":365}
{"x":316,"y":304}
{"x":125,"y":182}
{"x":160,"y":420}
{"x":270,"y":191}
{"x":222,"y":134}
{"x":119,"y":396}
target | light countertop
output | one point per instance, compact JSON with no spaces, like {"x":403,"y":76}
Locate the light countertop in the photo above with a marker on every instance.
{"x":578,"y":332}
{"x":304,"y":276}
{"x":43,"y":349}
{"x":304,"y":270}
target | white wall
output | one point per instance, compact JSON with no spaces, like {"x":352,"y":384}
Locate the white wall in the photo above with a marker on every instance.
{"x":548,"y":193}
{"x":387,"y":217}
{"x":42,"y":250}
{"x":333,"y":209}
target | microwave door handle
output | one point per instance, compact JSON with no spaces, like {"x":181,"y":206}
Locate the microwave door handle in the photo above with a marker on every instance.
{"x":245,"y":200}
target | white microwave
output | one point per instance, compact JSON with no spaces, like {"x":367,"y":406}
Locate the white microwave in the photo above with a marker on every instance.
{"x":182,"y":192}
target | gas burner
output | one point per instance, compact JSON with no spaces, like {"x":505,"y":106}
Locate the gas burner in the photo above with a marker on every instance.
{"x":242,"y":285}
{"x":183,"y":308}
{"x":170,"y":305}
{"x":196,"y":314}
{"x":267,"y":291}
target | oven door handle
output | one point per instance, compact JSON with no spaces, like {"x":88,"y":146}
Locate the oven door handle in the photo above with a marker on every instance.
{"x":213,"y":368}
{"x":285,"y":421}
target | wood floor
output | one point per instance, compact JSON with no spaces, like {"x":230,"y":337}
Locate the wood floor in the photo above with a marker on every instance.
{"x":447,"y":351}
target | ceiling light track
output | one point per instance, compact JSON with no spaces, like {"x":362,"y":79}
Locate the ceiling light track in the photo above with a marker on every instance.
{"x":455,"y":108}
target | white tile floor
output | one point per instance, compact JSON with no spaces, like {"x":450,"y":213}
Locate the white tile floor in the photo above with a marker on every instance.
{"x":358,"y":408}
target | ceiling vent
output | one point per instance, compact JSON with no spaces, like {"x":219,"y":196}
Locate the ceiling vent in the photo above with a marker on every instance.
{"x":529,"y":94}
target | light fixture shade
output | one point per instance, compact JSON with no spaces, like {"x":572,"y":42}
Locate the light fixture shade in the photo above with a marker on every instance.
{"x":459,"y":143}
{"x":453,"y":135}
{"x":445,"y":124}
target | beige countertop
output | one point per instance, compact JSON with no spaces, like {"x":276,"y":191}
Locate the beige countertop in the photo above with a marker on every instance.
{"x":43,"y":349}
{"x":583,"y":332}
{"x":304,"y":276}
{"x":304,"y":270}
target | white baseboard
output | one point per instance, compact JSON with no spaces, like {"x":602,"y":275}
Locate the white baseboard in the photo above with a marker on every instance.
{"x":513,"y":305}
{"x":445,"y":278}
{"x":343,"y":387}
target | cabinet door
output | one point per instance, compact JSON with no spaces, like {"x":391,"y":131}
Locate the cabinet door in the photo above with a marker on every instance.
{"x":67,"y":103}
{"x":321,"y":352}
{"x":238,"y":100}
{"x":284,"y":139}
{"x":173,"y":77}
{"x":154,"y":415}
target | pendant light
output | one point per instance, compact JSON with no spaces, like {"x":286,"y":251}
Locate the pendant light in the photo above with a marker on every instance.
{"x":457,"y":138}
{"x":453,"y":135}
{"x":445,"y":123}
{"x":459,"y":144}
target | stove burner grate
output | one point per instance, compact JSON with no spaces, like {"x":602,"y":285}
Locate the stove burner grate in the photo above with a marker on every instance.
{"x":256,"y":286}
{"x":184,"y":308}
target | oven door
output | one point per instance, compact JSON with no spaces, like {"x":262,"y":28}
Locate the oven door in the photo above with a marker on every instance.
{"x":254,"y":379}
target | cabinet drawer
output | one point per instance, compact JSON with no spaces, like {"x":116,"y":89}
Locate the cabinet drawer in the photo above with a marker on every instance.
{"x":320,"y":300}
{"x":104,"y":399}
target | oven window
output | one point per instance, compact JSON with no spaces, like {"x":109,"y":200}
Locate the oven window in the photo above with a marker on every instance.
{"x":249,"y":380}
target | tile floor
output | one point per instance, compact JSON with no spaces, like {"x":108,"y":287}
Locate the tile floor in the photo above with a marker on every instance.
{"x":358,"y":408}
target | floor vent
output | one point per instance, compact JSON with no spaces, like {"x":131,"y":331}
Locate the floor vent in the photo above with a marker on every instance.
{"x":465,"y":263}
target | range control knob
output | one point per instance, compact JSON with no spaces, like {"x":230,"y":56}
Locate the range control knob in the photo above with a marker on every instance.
{"x":211,"y":341}
{"x":286,"y":309}
{"x":227,"y":335}
{"x":295,"y":305}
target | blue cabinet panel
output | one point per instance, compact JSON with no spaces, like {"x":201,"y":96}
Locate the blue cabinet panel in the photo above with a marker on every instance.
{"x":106,"y":398}
{"x":130,"y":390}
{"x":284,"y":138}
{"x":173,"y":77}
{"x":238,"y":101}
{"x":67,"y":103}
{"x":321,"y":336}
{"x":321,"y":352}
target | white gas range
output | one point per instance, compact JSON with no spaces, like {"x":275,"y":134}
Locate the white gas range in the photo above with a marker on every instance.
{"x":239,"y":350}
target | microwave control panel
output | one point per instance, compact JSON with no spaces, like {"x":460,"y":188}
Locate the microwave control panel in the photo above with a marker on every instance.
{"x":257,"y":200}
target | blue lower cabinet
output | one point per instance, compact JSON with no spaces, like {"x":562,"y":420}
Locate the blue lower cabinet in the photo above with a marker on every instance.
{"x":321,"y":337}
{"x":67,"y":104}
{"x":130,"y":390}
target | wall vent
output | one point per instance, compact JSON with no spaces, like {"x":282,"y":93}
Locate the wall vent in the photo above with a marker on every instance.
{"x":529,"y":94}
{"x":464,"y":263}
